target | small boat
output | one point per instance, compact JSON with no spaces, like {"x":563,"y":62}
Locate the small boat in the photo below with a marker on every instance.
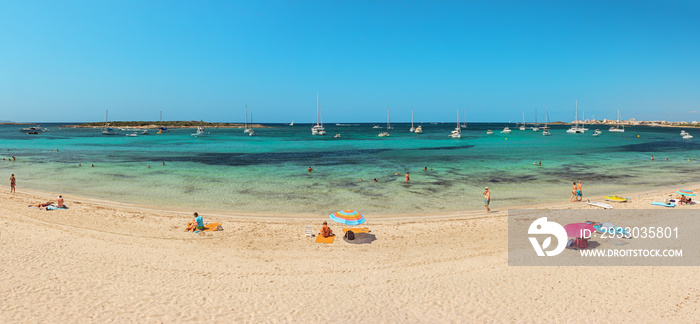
{"x":336,"y":136}
{"x":457,"y":132}
{"x":388,"y":124}
{"x":597,"y":132}
{"x":522,"y":127}
{"x":44,"y":130}
{"x":376,"y":126}
{"x":687,"y":136}
{"x":683,"y":133}
{"x":292,"y":123}
{"x":105,"y":129}
{"x":545,"y":132}
{"x":465,"y":120}
{"x":419,"y":129}
{"x":506,"y":130}
{"x":252,"y":133}
{"x":489,"y":132}
{"x":318,"y":128}
{"x":413,"y":129}
{"x":132,"y":135}
{"x":619,"y":128}
{"x":145,"y":132}
{"x":576,"y":129}
{"x":31,"y":129}
{"x":200,"y":132}
{"x":545,"y":128}
{"x":245,"y":128}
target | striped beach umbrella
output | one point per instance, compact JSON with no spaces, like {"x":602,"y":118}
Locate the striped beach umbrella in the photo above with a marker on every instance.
{"x":686,"y":192}
{"x":348,"y":217}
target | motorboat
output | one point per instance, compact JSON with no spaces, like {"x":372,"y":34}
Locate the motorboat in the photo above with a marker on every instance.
{"x":133,"y":134}
{"x":336,"y":136}
{"x":597,"y":132}
{"x":201,"y":131}
{"x":31,"y":129}
{"x":489,"y":132}
{"x":687,"y":136}
{"x":109,"y":131}
{"x":545,"y":132}
{"x":145,"y":132}
{"x":376,"y":126}
{"x":252,"y":133}
{"x":505,"y":130}
{"x":383,"y":134}
{"x":683,"y":133}
{"x":419,"y":129}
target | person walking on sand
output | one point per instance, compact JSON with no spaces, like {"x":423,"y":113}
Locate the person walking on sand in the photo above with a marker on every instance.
{"x":13,"y":181}
{"x":487,"y":199}
{"x":573,"y":193}
{"x":579,"y":191}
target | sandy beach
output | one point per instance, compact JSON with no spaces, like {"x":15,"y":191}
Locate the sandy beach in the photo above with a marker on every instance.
{"x":105,"y":262}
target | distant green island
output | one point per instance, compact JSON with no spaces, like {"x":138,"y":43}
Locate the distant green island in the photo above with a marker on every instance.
{"x":168,"y":124}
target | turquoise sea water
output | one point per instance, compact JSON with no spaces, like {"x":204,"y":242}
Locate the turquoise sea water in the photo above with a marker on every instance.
{"x":229,"y":170}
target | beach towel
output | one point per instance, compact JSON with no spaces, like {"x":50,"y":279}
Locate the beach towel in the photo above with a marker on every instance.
{"x":362,"y":238}
{"x":356,"y":230}
{"x":327,"y":240}
{"x":211,"y":227}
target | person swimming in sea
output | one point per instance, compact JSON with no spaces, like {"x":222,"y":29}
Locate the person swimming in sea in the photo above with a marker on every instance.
{"x":310,"y":169}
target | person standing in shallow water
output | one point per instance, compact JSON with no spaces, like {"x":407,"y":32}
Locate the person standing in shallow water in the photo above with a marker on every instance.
{"x":407,"y":178}
{"x":13,"y":181}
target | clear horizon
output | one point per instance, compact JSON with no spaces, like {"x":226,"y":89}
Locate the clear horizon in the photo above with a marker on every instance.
{"x":69,"y":61}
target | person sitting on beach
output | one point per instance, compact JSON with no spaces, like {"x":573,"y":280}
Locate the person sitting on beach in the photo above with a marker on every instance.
{"x":326,"y":231}
{"x":59,"y":201}
{"x":196,"y":224}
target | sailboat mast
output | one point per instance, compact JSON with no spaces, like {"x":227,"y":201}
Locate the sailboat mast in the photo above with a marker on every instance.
{"x":412,"y":116}
{"x":246,"y":116}
{"x":316,"y":108}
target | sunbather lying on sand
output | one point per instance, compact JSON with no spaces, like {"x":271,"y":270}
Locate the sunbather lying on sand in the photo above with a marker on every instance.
{"x":42,"y":204}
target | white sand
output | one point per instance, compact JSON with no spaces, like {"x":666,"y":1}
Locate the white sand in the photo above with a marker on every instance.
{"x":104,"y":262}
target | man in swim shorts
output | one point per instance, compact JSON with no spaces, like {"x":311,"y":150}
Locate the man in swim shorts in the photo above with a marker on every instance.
{"x":579,"y":191}
{"x":487,"y":199}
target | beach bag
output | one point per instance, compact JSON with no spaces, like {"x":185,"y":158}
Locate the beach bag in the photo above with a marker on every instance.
{"x":350,"y":235}
{"x":581,"y":243}
{"x":219,"y":228}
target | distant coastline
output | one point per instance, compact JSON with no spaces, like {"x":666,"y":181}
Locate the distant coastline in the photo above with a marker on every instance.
{"x":168,"y":124}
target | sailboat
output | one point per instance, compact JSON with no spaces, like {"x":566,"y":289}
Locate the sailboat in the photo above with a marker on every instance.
{"x":413,"y":129}
{"x":545,"y":129}
{"x":318,"y":128}
{"x":246,"y":129}
{"x":522,"y":127}
{"x":575,"y":129}
{"x":388,"y":124}
{"x":583,"y":121}
{"x":251,"y":132}
{"x":619,"y":128}
{"x":535,"y":128}
{"x":106,"y":130}
{"x":457,"y":132}
{"x":465,"y":119}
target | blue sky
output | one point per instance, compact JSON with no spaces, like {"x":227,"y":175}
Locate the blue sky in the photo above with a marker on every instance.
{"x":71,"y":60}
